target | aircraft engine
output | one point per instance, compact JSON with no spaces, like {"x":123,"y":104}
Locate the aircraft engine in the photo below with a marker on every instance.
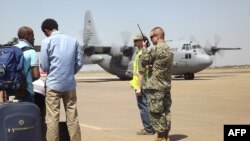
{"x":115,"y":51}
{"x":127,"y":51}
{"x":95,"y":59}
{"x":88,"y":50}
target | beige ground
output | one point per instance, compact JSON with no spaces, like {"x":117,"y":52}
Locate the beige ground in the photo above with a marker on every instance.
{"x":108,"y":110}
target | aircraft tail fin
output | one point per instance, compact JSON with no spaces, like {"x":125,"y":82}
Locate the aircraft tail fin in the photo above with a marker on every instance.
{"x":90,"y":36}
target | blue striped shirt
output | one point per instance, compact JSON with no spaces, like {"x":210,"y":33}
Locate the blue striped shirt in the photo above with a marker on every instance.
{"x":61,"y":57}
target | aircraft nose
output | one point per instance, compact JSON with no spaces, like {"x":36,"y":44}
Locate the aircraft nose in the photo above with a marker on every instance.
{"x":205,"y":60}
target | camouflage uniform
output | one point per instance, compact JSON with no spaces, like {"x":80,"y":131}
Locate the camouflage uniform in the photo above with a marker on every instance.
{"x":158,"y":85}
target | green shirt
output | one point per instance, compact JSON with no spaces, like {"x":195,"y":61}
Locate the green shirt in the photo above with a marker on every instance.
{"x":161,"y":59}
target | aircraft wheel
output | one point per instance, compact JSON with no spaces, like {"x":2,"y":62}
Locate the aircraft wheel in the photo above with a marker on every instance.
{"x":188,"y":76}
{"x":191,"y":76}
{"x":124,"y":78}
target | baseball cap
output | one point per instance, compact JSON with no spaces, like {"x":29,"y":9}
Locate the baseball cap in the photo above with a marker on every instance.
{"x":137,"y":37}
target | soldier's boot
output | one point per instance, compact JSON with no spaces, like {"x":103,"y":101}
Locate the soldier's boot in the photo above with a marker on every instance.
{"x":161,"y":136}
{"x":167,"y":135}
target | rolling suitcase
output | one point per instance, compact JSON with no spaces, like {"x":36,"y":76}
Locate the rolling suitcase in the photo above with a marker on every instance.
{"x":20,"y":121}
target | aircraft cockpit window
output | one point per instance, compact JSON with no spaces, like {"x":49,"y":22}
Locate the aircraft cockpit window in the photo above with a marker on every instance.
{"x":184,"y":46}
{"x":188,"y":47}
{"x":195,"y":46}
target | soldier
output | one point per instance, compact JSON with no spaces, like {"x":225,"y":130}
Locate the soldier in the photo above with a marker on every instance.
{"x":158,"y":85}
{"x":137,"y":83}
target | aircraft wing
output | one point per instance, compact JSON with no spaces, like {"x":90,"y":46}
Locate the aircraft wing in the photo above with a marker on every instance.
{"x":213,"y":50}
{"x":225,"y":48}
{"x":97,"y":49}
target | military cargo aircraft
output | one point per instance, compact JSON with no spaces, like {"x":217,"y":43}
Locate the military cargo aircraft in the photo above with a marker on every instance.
{"x":189,"y":56}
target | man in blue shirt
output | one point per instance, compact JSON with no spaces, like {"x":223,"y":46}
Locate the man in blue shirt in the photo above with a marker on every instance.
{"x":61,"y":57}
{"x":31,"y":65}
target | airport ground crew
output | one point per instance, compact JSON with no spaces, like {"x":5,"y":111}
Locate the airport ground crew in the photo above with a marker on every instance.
{"x":137,"y":83}
{"x":158,"y":85}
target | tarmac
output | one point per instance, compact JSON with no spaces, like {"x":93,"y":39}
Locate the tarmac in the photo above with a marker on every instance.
{"x":201,"y":107}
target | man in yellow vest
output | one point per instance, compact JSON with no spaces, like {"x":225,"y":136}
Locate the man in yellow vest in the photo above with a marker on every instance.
{"x":137,"y":83}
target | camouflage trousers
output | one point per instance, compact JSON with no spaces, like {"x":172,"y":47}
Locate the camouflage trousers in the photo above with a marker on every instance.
{"x":159,"y":104}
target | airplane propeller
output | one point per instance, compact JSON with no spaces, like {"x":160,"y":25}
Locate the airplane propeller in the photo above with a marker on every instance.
{"x":125,"y":37}
{"x":126,"y":50}
{"x":217,"y":40}
{"x":214,"y":49}
{"x":118,"y":51}
{"x":192,"y":38}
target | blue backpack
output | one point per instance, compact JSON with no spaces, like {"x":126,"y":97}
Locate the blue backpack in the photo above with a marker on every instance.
{"x":11,"y":68}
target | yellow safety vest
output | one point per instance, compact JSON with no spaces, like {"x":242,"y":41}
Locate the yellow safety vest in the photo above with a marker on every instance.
{"x":134,"y":81}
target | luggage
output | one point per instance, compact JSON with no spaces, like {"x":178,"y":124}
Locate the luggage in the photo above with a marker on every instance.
{"x":12,"y":75}
{"x":20,"y":121}
{"x":11,"y":67}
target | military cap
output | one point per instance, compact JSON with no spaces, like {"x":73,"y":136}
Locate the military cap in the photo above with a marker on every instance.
{"x":137,"y":37}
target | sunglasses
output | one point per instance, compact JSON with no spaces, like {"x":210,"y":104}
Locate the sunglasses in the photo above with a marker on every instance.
{"x":137,"y":40}
{"x":152,"y":36}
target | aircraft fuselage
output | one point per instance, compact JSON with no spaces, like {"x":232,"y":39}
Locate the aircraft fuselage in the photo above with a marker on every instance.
{"x":189,"y":58}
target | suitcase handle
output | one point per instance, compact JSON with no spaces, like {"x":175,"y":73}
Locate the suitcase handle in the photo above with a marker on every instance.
{"x":19,"y":129}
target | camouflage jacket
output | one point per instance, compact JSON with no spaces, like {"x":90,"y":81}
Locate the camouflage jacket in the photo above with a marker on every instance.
{"x":161,"y":59}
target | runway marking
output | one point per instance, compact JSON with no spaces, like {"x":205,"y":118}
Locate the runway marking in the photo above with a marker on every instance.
{"x":90,"y":126}
{"x":99,"y":128}
{"x":95,"y":77}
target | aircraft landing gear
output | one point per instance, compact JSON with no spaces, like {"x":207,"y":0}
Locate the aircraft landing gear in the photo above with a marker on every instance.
{"x":188,"y":76}
{"x":124,"y":78}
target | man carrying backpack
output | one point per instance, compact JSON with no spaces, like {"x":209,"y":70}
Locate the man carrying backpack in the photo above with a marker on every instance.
{"x":31,"y":64}
{"x":19,"y":67}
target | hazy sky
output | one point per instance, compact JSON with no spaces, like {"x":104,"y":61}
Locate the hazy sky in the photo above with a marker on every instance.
{"x":181,"y":19}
